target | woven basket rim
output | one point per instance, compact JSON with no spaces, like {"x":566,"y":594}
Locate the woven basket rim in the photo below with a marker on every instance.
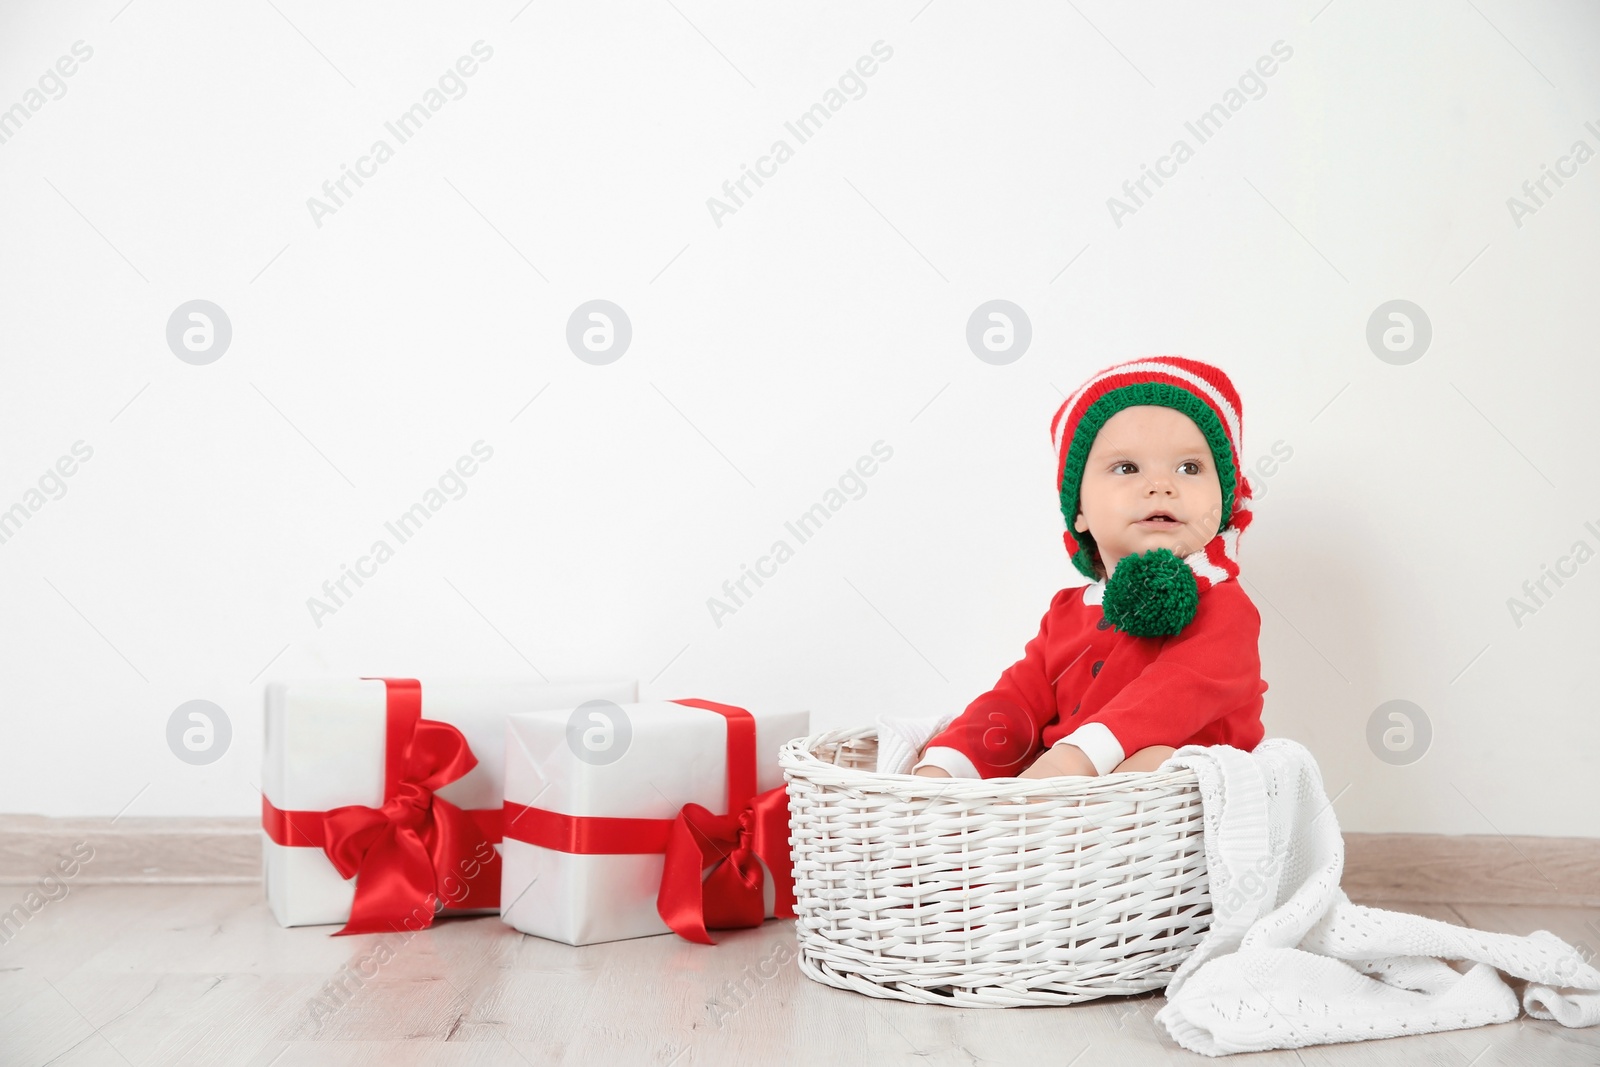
{"x":798,"y":759}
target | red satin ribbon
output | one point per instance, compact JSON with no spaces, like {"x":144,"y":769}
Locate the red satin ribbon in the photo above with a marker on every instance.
{"x":418,"y":847}
{"x":730,"y":897}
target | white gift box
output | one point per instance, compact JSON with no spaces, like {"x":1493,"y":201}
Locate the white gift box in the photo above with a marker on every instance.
{"x":326,"y":748}
{"x":675,"y":754}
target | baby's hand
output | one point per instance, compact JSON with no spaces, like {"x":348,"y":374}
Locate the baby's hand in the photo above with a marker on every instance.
{"x":1060,"y":760}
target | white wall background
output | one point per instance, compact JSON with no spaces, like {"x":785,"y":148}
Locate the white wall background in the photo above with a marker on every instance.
{"x":768,"y":354}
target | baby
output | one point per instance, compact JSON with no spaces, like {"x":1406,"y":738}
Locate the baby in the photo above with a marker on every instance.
{"x":1159,"y":651}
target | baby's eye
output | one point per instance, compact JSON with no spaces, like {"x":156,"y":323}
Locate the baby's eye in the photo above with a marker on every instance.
{"x":1187,"y":464}
{"x":1117,"y":467}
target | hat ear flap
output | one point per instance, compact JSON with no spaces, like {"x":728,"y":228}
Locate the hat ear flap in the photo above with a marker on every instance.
{"x":1084,"y":554}
{"x":1242,"y":499}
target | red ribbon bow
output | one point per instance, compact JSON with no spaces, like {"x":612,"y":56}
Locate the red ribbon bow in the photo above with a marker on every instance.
{"x":417,"y":848}
{"x":730,"y":897}
{"x":756,"y":827}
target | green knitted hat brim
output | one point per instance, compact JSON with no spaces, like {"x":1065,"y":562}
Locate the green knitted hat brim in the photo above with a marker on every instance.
{"x":1159,"y":394}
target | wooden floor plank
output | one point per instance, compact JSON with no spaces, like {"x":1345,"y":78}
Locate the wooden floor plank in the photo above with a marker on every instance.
{"x":203,"y":975}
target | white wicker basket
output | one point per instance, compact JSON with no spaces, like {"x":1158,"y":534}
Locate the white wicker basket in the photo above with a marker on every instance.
{"x":990,"y":893}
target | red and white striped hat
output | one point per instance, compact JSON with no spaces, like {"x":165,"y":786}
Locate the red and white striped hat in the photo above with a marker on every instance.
{"x":1197,"y":389}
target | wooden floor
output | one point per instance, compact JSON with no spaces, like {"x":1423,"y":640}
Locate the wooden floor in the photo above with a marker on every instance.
{"x":203,"y":975}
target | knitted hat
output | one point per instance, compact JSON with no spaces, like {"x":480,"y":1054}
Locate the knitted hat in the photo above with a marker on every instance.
{"x":1159,"y":593}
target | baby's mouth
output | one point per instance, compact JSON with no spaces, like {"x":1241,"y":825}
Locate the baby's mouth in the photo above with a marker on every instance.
{"x":1160,"y":520}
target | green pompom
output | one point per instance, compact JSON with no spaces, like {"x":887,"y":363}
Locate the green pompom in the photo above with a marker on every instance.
{"x":1151,"y":594}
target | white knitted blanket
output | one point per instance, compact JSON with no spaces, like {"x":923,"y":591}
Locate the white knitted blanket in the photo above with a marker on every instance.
{"x":1288,"y":960}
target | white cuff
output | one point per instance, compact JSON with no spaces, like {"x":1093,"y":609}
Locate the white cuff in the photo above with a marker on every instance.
{"x":1099,"y":744}
{"x":952,"y":761}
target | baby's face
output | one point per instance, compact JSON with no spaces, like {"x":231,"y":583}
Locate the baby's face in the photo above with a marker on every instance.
{"x":1148,"y":462}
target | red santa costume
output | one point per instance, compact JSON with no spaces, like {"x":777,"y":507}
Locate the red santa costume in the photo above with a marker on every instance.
{"x":1162,"y":653}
